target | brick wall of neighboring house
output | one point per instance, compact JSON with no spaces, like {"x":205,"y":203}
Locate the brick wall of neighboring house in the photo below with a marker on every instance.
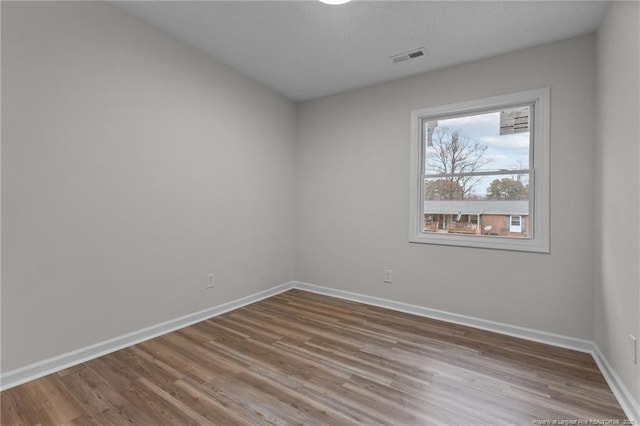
{"x":498,"y":222}
{"x":500,"y":225}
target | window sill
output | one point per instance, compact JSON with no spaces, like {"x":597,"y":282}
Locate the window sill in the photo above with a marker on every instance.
{"x":483,"y":241}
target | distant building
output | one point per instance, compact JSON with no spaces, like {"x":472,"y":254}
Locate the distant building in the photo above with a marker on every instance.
{"x":489,"y":217}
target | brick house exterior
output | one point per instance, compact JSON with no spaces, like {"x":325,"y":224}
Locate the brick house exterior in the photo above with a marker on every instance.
{"x":505,"y":218}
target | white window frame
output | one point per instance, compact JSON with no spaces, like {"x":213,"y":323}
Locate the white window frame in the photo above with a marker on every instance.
{"x":513,"y":228}
{"x":539,"y":232}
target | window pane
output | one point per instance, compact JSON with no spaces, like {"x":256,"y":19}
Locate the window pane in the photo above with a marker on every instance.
{"x":494,"y":205}
{"x":491,"y":141}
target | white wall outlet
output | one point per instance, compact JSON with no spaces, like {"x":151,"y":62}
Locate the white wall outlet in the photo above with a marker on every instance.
{"x":387,"y":275}
{"x":210,"y":280}
{"x":633,"y":348}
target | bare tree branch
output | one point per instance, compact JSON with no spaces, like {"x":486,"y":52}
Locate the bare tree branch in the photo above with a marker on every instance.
{"x":451,"y":152}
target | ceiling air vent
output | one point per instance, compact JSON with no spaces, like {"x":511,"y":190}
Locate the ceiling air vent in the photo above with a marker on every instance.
{"x":412,"y":54}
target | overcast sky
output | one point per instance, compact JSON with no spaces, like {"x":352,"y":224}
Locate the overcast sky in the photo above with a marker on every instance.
{"x":504,"y":151}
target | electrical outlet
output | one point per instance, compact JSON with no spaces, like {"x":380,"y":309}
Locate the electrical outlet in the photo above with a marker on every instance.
{"x":387,"y":275}
{"x":633,"y":348}
{"x":210,"y":280}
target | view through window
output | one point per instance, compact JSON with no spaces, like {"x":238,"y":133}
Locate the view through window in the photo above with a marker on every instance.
{"x":477,"y":173}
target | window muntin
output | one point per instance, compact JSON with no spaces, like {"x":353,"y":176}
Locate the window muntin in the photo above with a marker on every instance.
{"x":487,"y":160}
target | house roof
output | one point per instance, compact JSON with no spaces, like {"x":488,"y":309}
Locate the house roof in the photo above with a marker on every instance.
{"x":477,"y":207}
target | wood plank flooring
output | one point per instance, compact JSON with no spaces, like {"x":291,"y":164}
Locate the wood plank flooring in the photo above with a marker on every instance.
{"x":302,"y":358}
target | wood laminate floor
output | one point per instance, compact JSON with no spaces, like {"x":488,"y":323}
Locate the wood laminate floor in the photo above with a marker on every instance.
{"x":300,"y":358}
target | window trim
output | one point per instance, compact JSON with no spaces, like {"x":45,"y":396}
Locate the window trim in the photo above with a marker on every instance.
{"x":511,"y":226}
{"x":539,"y":201}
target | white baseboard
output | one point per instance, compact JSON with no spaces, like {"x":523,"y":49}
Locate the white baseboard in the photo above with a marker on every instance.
{"x":51,"y":365}
{"x":623,"y":395}
{"x":39,"y":369}
{"x":498,"y":327}
{"x":628,"y":403}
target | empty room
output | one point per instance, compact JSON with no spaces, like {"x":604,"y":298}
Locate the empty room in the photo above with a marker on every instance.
{"x":324,"y":212}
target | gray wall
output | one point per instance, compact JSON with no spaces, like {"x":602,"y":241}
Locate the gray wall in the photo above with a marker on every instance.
{"x":617,"y":291}
{"x":352,"y":195}
{"x":131,"y":167}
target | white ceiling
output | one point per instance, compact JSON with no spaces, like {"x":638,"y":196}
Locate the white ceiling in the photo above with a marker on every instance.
{"x":306,"y":49}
